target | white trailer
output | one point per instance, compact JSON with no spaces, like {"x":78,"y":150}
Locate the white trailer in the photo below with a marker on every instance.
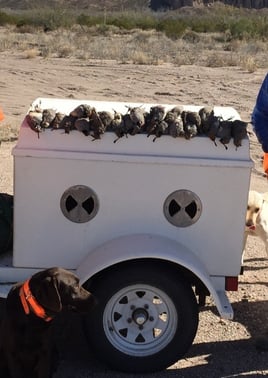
{"x":148,"y":227}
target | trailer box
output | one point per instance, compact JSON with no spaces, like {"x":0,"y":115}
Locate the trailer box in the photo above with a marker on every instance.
{"x":130,"y":186}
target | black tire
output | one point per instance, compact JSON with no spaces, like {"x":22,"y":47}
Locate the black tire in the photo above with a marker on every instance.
{"x":145,"y":319}
{"x":6,"y":222}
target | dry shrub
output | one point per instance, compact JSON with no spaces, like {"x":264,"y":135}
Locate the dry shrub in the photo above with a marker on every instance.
{"x":140,"y":57}
{"x":249,"y":63}
{"x":29,"y":29}
{"x":185,"y":58}
{"x":31,"y":53}
{"x":8,"y":133}
{"x":222,"y":60}
{"x":8,"y":39}
{"x":191,"y":36}
{"x":45,"y":51}
{"x":65,"y":51}
{"x":144,"y":36}
{"x":138,"y":46}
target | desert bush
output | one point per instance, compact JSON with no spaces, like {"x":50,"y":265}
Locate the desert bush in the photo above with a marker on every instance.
{"x":191,"y":36}
{"x":173,"y":37}
{"x":6,"y":19}
{"x":45,"y":51}
{"x":8,"y":132}
{"x":172,"y":28}
{"x":141,"y":57}
{"x":90,"y":20}
{"x":222,"y":60}
{"x":249,"y":63}
{"x":31,"y":53}
{"x":65,"y":51}
{"x":237,"y":23}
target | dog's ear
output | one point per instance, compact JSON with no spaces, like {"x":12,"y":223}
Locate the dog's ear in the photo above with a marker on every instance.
{"x":48,"y":294}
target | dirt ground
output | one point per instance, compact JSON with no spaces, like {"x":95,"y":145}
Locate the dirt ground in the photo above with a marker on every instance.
{"x":221,"y":348}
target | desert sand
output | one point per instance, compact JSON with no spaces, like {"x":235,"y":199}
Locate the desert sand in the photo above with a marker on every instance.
{"x":221,"y":348}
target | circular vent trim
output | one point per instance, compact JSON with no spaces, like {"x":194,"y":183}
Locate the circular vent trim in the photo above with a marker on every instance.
{"x":182,"y":208}
{"x":79,"y":204}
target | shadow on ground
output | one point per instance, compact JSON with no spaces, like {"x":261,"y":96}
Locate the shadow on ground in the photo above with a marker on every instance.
{"x":220,"y":359}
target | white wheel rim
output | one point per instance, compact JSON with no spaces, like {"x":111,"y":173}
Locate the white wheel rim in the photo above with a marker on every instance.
{"x":140,"y":320}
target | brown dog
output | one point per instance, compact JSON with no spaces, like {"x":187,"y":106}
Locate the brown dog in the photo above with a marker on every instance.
{"x":26,"y":349}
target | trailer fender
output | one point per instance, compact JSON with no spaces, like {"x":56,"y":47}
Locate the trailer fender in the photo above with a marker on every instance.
{"x":138,"y":246}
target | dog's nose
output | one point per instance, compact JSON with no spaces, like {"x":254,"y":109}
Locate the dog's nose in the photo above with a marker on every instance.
{"x":249,"y":223}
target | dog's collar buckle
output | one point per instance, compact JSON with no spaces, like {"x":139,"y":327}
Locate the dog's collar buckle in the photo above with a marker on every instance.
{"x":29,"y":303}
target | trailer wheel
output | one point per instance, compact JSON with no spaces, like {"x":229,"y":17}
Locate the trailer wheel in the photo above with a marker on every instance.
{"x":145,"y":319}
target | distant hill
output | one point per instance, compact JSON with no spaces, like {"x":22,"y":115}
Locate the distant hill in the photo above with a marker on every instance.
{"x":123,"y":5}
{"x":114,"y":5}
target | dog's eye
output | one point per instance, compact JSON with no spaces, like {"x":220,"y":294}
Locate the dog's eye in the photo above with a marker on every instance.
{"x":257,"y":209}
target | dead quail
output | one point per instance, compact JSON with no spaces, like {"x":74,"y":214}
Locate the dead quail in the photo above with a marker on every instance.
{"x":34,"y":120}
{"x":174,"y":121}
{"x":82,"y":125}
{"x":47,"y":117}
{"x":156,"y":115}
{"x":161,"y":129}
{"x":118,"y":125}
{"x":106,"y":118}
{"x":96,"y":125}
{"x":214,"y":124}
{"x":191,"y":118}
{"x":175,"y":128}
{"x":121,"y":125}
{"x":55,"y":124}
{"x":137,"y":117}
{"x":81,"y":111}
{"x":172,"y":114}
{"x":190,"y":130}
{"x":177,"y":110}
{"x":117,"y":118}
{"x":67,"y":123}
{"x":129,"y":126}
{"x":123,"y":128}
{"x":225,"y":132}
{"x":239,"y":131}
{"x":205,"y":113}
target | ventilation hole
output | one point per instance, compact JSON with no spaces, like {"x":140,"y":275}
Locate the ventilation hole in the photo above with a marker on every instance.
{"x":117,"y":316}
{"x":156,"y":332}
{"x":191,"y":209}
{"x":163,"y":317}
{"x":123,"y":332}
{"x":157,"y":300}
{"x":139,"y":339}
{"x":140,"y":294}
{"x":124,"y":300}
{"x":88,"y":205}
{"x":70,"y":203}
{"x":173,"y":208}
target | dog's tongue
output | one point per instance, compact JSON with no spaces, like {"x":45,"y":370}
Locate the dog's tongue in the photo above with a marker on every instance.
{"x":252,"y":227}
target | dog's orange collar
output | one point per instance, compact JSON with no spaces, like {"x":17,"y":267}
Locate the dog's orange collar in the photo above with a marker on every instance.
{"x":29,"y":303}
